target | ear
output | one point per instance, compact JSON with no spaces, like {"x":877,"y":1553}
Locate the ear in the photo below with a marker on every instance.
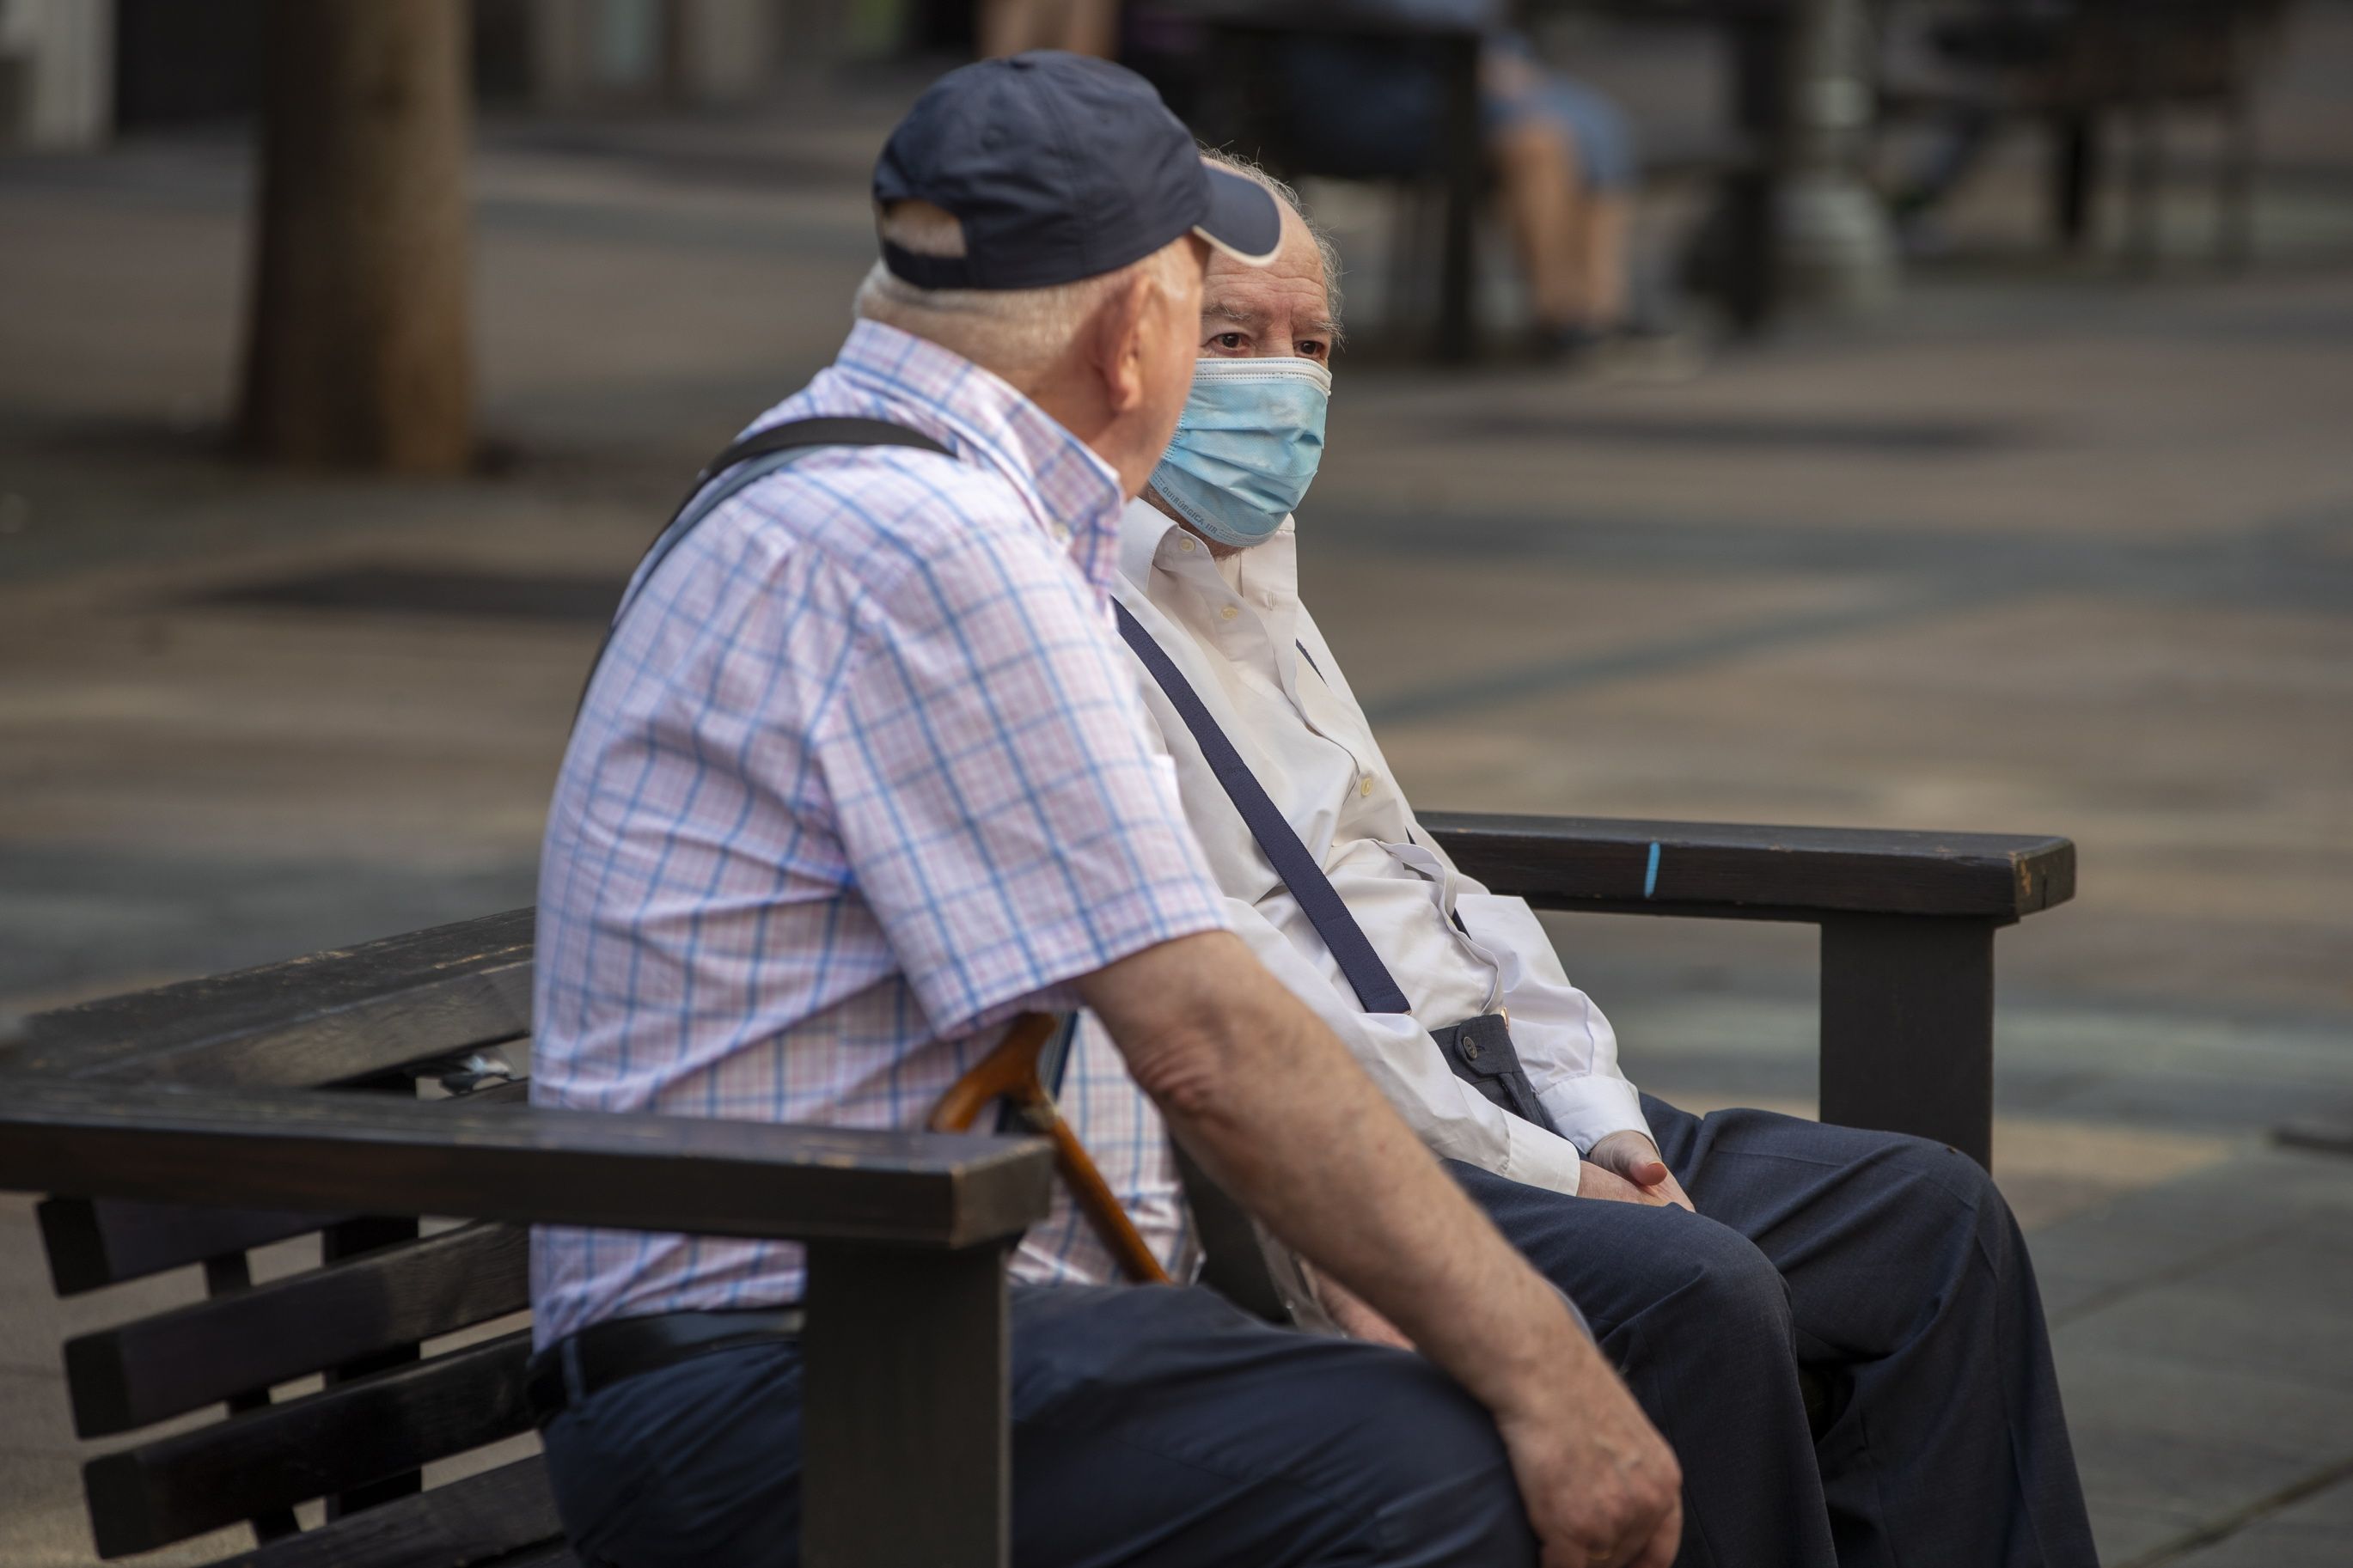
{"x":1120,"y":326}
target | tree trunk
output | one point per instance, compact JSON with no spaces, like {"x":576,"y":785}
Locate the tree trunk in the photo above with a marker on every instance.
{"x":357,"y":349}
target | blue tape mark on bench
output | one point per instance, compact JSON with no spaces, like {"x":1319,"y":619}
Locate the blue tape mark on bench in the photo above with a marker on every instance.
{"x":1651,"y":873}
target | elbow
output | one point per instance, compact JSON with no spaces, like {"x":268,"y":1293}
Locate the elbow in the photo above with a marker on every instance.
{"x":1189,"y":1071}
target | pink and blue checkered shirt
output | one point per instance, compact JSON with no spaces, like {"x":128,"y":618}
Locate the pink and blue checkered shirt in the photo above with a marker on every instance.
{"x":862,"y":773}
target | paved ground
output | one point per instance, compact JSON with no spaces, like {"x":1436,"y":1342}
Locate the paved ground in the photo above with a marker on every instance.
{"x":2045,"y":552}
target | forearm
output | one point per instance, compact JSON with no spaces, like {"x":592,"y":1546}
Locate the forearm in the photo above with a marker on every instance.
{"x":1271,"y":1104}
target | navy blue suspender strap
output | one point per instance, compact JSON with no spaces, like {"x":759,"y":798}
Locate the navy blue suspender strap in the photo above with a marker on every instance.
{"x":739,"y":466}
{"x":1375,"y":986}
{"x":1326,"y":679}
{"x":792,"y":435}
{"x":1479,"y":1050}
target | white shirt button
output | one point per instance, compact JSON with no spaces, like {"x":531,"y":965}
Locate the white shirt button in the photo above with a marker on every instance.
{"x":1365,"y":788}
{"x":1186,"y":545}
{"x":1229,"y":613}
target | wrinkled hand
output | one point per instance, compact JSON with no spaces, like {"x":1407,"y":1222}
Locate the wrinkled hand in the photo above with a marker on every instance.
{"x":1601,"y":1485}
{"x":1631,"y":1171}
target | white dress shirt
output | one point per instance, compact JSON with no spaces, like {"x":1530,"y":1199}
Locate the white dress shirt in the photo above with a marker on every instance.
{"x":1235,"y":628}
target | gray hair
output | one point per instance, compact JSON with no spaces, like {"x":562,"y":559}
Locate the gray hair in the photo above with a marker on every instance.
{"x":1012,"y":331}
{"x":1325,"y":250}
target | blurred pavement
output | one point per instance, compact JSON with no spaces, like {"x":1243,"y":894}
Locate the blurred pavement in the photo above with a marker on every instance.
{"x":2044,"y":552}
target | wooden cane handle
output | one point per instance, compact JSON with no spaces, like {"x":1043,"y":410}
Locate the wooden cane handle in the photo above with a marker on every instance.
{"x":1009,"y":1072}
{"x":1004,"y":1070}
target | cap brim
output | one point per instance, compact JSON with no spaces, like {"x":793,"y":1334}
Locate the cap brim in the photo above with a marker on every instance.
{"x":1244,"y":220}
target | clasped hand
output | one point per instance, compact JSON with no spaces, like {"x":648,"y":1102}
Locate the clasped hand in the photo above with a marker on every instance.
{"x":1625,"y":1167}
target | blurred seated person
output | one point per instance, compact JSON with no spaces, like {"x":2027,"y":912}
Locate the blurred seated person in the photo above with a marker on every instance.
{"x":1006,"y":28}
{"x":1560,"y":153}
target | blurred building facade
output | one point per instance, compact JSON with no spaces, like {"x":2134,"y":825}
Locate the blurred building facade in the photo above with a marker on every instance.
{"x":75,"y":73}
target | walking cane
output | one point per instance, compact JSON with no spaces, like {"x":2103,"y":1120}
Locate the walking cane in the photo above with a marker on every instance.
{"x":1010,"y":1073}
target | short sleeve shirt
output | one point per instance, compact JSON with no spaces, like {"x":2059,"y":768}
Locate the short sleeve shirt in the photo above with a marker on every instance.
{"x":861,"y":774}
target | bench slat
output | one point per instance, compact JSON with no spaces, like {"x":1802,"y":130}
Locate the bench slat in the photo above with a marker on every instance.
{"x":1791,"y":873}
{"x":96,"y":1242}
{"x":148,"y":1371}
{"x":341,"y":1152}
{"x":329,"y":1018}
{"x":478,"y":1520}
{"x":556,"y":1555}
{"x":173,"y":1488}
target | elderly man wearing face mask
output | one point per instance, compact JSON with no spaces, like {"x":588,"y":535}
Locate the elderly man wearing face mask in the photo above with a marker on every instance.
{"x":1726,"y":1262}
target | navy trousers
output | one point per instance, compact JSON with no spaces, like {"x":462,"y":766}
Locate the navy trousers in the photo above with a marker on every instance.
{"x":1889,"y":1266}
{"x":1151,"y":1426}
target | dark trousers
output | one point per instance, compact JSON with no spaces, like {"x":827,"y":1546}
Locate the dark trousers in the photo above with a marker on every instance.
{"x":1888,"y":1265}
{"x":1151,"y":1425}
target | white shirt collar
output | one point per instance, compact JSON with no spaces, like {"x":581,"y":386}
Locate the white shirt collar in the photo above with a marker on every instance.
{"x":1150,"y":537}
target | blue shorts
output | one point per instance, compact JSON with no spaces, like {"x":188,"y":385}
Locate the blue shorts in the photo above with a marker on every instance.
{"x":1595,"y":126}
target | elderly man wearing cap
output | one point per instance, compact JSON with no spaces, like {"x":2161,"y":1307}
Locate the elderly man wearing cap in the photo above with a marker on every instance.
{"x":1745,"y":1253}
{"x":859,"y":774}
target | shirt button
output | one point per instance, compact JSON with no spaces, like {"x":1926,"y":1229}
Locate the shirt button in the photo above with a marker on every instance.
{"x":1186,"y":545}
{"x":1229,"y":613}
{"x":1365,"y":788}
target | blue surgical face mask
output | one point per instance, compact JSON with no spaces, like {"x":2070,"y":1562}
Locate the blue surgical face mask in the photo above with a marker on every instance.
{"x":1246,"y":446}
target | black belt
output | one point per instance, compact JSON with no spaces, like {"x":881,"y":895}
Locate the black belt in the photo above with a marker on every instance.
{"x":604,"y":1353}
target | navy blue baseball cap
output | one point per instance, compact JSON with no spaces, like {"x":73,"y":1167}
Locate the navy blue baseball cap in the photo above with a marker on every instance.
{"x":1060,"y":167}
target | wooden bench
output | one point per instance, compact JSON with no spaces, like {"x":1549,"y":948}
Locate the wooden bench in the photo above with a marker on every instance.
{"x":193,"y":1124}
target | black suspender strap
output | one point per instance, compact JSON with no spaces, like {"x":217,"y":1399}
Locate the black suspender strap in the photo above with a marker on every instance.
{"x":1478,"y":1050}
{"x":1258,"y":1274}
{"x":795,"y":434}
{"x":737,"y":467}
{"x":1375,"y":986}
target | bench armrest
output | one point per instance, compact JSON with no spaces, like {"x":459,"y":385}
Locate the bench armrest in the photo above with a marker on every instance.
{"x":908,"y":1327}
{"x":1770,"y":873}
{"x":324,"y":1017}
{"x":1907,"y":923}
{"x":377,"y":1154}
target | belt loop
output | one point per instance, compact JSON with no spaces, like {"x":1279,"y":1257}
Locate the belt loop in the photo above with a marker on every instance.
{"x":575,"y":1389}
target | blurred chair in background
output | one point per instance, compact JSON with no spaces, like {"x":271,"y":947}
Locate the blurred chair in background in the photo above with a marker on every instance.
{"x":1972,"y":69}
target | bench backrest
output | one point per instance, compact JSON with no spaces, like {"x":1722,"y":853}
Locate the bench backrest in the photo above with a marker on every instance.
{"x":362,"y":1313}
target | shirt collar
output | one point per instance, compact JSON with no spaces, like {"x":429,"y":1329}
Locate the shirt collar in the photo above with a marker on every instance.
{"x":1073,"y":493}
{"x":1149,"y":537}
